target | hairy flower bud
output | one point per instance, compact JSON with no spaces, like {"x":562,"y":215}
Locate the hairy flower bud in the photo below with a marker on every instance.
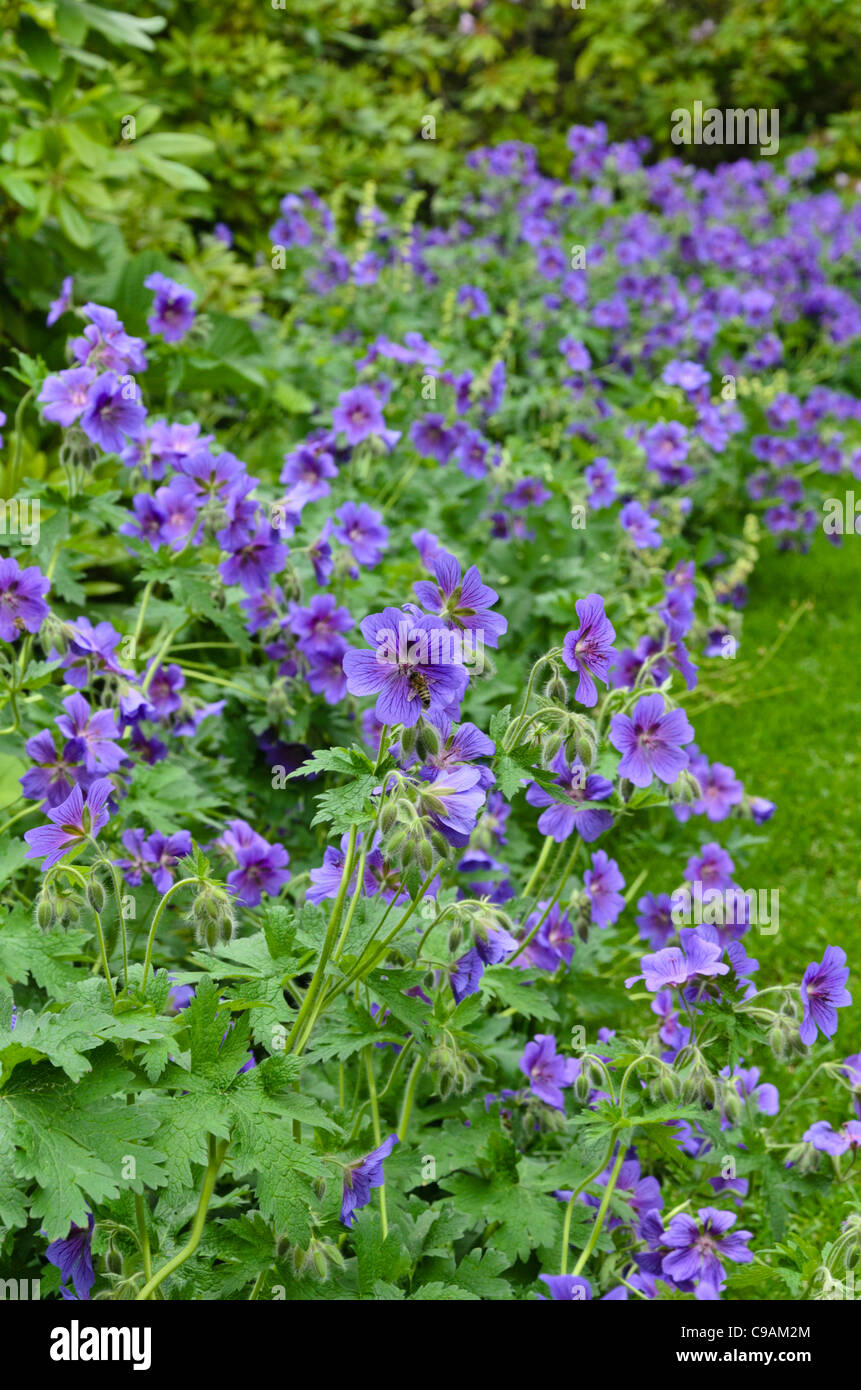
{"x":556,"y":689}
{"x":96,"y":895}
{"x":212,"y":916}
{"x":46,"y":914}
{"x":427,"y":740}
{"x":669,"y":1088}
{"x":409,"y":740}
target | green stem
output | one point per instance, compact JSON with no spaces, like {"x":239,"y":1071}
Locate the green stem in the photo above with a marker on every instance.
{"x":19,"y":440}
{"x":549,"y":908}
{"x":145,"y":598}
{"x":409,"y":1097}
{"x":216,"y":1157}
{"x":378,"y":1134}
{"x":143,"y":1234}
{"x":569,"y":1210}
{"x":539,"y":865}
{"x":174,"y":887}
{"x":328,"y":943}
{"x":512,"y":737}
{"x":602,"y":1211}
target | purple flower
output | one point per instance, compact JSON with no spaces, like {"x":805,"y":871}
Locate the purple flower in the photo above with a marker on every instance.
{"x":157,"y":855}
{"x":362,"y":529}
{"x":113,"y":411}
{"x":761,"y":810}
{"x":602,"y":883}
{"x":65,"y":395}
{"x":73,"y":1257}
{"x":453,"y":801}
{"x":254,"y":559}
{"x":566,"y":1288}
{"x":465,"y":975}
{"x":360,"y":1177}
{"x":326,"y":671}
{"x":689,"y":375}
{"x":474,"y":300}
{"x":172,"y":313}
{"x":641,"y":527}
{"x":163,"y":690}
{"x":601,"y":478}
{"x":91,"y":737}
{"x":309,"y":467}
{"x":54,"y":775}
{"x":655,"y":921}
{"x":80,"y":815}
{"x":22,"y":604}
{"x":823,"y":992}
{"x":697,"y":957}
{"x":547,"y":1072}
{"x":529,"y":492}
{"x":413,"y":669}
{"x":562,"y":818}
{"x":59,"y":305}
{"x":834,"y":1142}
{"x":666,"y":447}
{"x":764,"y":1096}
{"x":358,"y":414}
{"x":712,"y":867}
{"x":261,"y":867}
{"x":589,"y":648}
{"x":106,"y":345}
{"x":553,"y":945}
{"x":721,"y":791}
{"x":91,"y":653}
{"x":463,"y":602}
{"x":698,"y":1247}
{"x":430,"y":438}
{"x":651,"y":741}
{"x":316,"y":625}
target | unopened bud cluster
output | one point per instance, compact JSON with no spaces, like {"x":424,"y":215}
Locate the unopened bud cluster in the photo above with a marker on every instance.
{"x":212,"y":916}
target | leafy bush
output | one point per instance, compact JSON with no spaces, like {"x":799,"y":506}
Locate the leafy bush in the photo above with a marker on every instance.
{"x":126,"y":131}
{"x":324,"y":858}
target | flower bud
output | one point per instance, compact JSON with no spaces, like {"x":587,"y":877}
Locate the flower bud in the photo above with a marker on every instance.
{"x":556,"y":689}
{"x":409,"y":740}
{"x":96,"y":895}
{"x":396,"y":844}
{"x":440,"y":844}
{"x":45,"y":912}
{"x":582,"y":1086}
{"x":427,"y":740}
{"x":68,"y":909}
{"x":54,"y":636}
{"x":212,"y":916}
{"x":455,"y":937}
{"x":550,"y":748}
{"x":708,"y":1091}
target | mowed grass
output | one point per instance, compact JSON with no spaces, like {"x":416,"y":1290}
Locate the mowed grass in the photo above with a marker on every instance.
{"x":791,"y":733}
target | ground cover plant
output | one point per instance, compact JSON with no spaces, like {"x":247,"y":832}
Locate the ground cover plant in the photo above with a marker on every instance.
{"x":377,"y":920}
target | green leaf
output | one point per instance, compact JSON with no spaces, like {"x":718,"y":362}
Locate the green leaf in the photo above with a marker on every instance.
{"x":74,"y":224}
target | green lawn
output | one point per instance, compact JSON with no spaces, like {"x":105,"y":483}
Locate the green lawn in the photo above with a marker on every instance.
{"x":792,"y":736}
